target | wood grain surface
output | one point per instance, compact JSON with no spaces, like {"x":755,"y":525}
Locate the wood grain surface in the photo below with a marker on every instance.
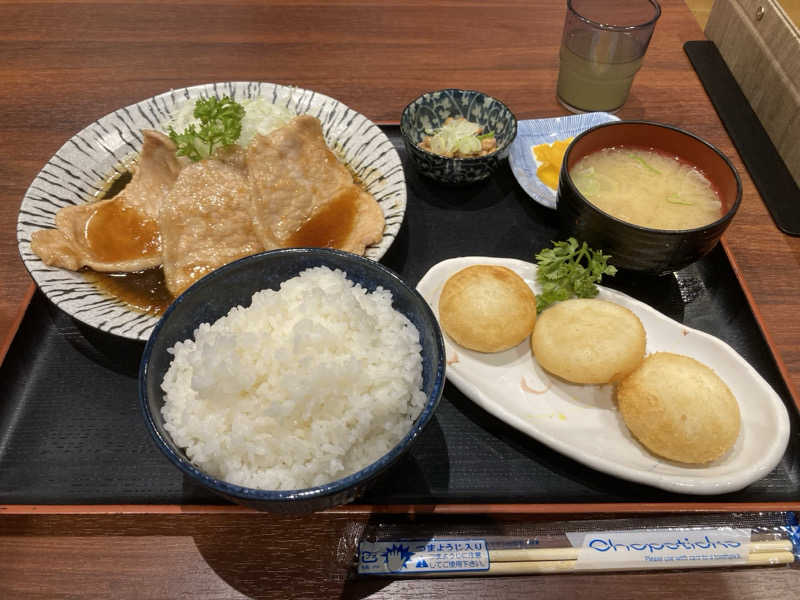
{"x":65,"y":64}
{"x":251,"y":555}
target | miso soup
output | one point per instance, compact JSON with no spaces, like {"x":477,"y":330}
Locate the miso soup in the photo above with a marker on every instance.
{"x":647,"y":188}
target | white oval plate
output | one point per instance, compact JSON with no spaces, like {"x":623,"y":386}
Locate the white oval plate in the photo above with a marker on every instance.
{"x":76,"y":172}
{"x":538,"y":131}
{"x":582,"y":422}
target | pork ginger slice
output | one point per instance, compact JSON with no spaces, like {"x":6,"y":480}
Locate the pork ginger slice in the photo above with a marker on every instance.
{"x":120,"y":234}
{"x":205,"y":223}
{"x":303,"y":195}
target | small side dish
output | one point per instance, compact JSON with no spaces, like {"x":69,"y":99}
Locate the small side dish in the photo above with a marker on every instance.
{"x":539,"y":132}
{"x":468,"y":134}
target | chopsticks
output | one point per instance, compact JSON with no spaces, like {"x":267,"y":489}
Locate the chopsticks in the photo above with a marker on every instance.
{"x":565,"y":560}
{"x":571,"y":553}
{"x":668,"y":543}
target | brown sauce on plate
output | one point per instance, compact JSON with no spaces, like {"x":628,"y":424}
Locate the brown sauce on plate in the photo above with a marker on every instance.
{"x":329,"y":227}
{"x":116,"y":183}
{"x":144,"y":291}
{"x":116,"y":232}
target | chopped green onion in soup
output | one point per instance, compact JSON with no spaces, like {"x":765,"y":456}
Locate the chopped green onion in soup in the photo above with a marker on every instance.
{"x":647,"y":188}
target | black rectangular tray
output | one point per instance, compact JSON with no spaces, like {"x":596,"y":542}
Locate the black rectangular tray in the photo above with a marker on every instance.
{"x":71,"y":431}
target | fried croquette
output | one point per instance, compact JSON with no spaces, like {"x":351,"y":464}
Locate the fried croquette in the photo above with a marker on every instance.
{"x":588,"y":341}
{"x":679,"y":408}
{"x":487,"y":308}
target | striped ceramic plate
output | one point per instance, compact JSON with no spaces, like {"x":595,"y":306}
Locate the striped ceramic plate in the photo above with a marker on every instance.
{"x":77,"y":172}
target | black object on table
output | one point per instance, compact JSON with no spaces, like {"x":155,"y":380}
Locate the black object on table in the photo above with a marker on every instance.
{"x":71,"y":431}
{"x":770,"y":175}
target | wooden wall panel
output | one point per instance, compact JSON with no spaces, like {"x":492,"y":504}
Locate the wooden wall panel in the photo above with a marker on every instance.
{"x":761,"y":46}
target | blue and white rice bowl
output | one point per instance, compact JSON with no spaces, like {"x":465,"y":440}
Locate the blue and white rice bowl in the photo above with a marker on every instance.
{"x":211,"y":298}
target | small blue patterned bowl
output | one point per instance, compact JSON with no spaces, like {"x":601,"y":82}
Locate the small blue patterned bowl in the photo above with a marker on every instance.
{"x":430,"y":110}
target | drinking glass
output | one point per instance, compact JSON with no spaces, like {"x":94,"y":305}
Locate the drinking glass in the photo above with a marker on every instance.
{"x":601,"y":50}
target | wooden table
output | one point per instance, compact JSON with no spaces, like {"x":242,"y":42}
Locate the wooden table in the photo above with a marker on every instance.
{"x":65,"y":64}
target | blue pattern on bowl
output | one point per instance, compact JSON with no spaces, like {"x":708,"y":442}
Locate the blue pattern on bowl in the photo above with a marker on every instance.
{"x":430,"y":110}
{"x":538,"y":131}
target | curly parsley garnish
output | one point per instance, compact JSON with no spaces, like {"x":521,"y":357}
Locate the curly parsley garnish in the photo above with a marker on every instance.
{"x":220,"y":125}
{"x":568,"y":269}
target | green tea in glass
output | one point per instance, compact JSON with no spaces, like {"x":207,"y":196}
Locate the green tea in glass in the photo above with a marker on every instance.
{"x":601,"y":50}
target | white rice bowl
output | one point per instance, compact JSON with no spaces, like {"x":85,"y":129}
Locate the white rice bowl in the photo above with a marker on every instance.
{"x":305,"y":386}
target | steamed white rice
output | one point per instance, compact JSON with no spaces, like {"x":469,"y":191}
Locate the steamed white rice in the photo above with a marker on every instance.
{"x":308,"y":384}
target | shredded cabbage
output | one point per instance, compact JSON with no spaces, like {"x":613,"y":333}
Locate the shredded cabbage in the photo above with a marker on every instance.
{"x":260,"y":116}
